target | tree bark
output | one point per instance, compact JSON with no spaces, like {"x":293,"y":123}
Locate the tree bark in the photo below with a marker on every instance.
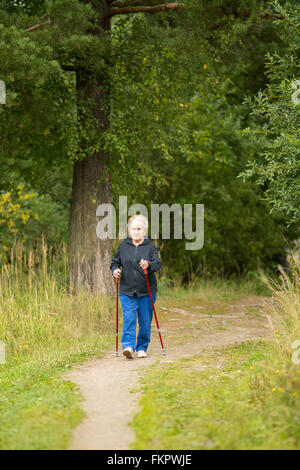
{"x":89,"y":256}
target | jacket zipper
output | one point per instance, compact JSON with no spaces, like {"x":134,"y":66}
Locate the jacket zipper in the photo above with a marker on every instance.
{"x":135,"y":272}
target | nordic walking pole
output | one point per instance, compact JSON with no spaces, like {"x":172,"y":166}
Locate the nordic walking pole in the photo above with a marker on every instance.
{"x":117,"y":322}
{"x":161,"y":342}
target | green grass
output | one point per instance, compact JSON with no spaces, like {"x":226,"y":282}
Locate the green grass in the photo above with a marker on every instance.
{"x":45,"y":331}
{"x":216,"y":289}
{"x":187,"y":406}
{"x":39,"y":410}
{"x":248,"y":396}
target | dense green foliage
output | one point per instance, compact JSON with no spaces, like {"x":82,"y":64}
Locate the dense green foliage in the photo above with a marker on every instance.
{"x":186,"y":147}
{"x":178,"y":85}
{"x":277,"y":121}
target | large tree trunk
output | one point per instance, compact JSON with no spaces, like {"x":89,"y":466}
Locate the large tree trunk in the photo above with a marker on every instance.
{"x":89,"y":256}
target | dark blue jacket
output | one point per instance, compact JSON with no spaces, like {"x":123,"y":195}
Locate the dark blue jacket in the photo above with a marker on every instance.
{"x":132,"y":278}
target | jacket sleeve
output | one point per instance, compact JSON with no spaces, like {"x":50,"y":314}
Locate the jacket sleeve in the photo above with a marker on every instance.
{"x":116,"y":261}
{"x":154,"y":261}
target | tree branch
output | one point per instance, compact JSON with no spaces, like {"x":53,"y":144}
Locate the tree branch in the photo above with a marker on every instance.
{"x":44,"y":16}
{"x":124,"y":3}
{"x":266,"y":14}
{"x":144,"y":9}
{"x":36,"y":26}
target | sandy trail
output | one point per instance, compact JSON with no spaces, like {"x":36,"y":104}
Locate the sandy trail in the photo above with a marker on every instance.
{"x":106,"y":383}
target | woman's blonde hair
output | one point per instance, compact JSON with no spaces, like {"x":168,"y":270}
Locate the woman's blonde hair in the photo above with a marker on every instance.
{"x":141,"y":218}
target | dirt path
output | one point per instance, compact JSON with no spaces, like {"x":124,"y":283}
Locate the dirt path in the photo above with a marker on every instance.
{"x":106,"y":383}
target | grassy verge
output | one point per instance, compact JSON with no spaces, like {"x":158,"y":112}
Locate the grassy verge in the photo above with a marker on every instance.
{"x":218,"y":400}
{"x":241,"y":397}
{"x":45,"y":331}
{"x":213,"y":289}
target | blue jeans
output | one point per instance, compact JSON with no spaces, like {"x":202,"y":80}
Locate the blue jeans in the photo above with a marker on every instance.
{"x":130,"y":305}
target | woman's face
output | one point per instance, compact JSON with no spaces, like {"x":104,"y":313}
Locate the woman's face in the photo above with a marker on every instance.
{"x":136,"y":231}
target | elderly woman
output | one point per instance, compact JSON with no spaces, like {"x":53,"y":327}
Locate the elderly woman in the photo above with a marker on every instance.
{"x":135,"y":254}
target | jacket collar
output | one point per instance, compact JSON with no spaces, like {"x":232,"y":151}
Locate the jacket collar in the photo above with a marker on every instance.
{"x":130,"y":242}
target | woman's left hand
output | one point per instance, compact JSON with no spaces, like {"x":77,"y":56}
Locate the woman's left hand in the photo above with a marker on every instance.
{"x":143,"y":264}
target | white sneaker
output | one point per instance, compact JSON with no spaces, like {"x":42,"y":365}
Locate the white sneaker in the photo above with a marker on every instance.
{"x":142,"y":353}
{"x":128,"y":352}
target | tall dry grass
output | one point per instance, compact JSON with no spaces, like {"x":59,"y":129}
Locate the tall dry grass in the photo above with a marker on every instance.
{"x":283,"y":311}
{"x":38,"y":316}
{"x":277,"y":383}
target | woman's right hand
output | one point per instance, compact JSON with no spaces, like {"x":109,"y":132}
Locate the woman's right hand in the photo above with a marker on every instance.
{"x":117,"y":272}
